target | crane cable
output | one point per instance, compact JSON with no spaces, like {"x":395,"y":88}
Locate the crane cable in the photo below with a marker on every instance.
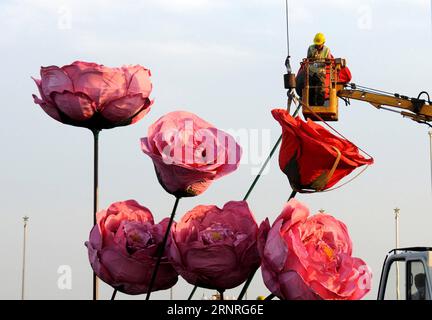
{"x":287,"y":62}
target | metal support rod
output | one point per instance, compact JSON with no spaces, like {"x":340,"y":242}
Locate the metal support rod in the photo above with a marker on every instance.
{"x":162,"y":248}
{"x":95,"y":198}
{"x":25,"y":219}
{"x":396,"y":212}
{"x":270,"y":296}
{"x":430,"y":148}
{"x":192,"y":293}
{"x":114,"y":294}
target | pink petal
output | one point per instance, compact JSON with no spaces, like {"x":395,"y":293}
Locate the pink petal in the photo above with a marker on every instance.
{"x":124,"y":109}
{"x":49,"y":109}
{"x":293,"y":212}
{"x":54,"y":79}
{"x":76,"y":106}
{"x":293,"y":287}
{"x":141,"y":114}
{"x":275,"y":251}
{"x":263,"y":231}
{"x":123,"y":268}
{"x":270,"y":279}
{"x":101,"y":84}
{"x":138,"y":80}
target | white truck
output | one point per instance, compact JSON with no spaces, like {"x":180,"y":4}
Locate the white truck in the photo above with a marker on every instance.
{"x":407,"y":274}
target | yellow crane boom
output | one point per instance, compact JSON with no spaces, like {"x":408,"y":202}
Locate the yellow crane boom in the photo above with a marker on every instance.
{"x":416,"y":109}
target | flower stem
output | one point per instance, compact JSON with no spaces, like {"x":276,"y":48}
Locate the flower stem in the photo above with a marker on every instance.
{"x":162,"y":248}
{"x":114,"y":294}
{"x":192,"y":293}
{"x":254,"y":182}
{"x":270,"y":296}
{"x":246,"y":285}
{"x":95,"y":197}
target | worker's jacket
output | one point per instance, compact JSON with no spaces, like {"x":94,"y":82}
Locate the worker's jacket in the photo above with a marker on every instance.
{"x":318,"y":68}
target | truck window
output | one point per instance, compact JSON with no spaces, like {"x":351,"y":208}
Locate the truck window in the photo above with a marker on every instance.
{"x":396,"y":282}
{"x":418,"y":285}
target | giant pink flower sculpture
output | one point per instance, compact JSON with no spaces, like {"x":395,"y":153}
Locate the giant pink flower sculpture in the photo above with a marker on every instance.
{"x":96,"y":97}
{"x":123,"y":248}
{"x":215,"y":248}
{"x":189,"y":153}
{"x":91,"y":95}
{"x":309,"y":257}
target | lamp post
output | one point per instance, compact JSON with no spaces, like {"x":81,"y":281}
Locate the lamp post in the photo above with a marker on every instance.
{"x":25,"y":219}
{"x":396,"y":212}
{"x":430,"y":143}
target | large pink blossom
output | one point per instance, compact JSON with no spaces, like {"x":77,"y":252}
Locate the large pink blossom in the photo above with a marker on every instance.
{"x":309,"y":257}
{"x":94,"y":96}
{"x":189,"y":153}
{"x":123,"y":248}
{"x":215,"y":248}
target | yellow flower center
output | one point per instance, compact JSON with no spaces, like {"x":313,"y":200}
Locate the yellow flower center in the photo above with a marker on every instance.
{"x":216,"y":235}
{"x":135,"y":237}
{"x":328,"y":251}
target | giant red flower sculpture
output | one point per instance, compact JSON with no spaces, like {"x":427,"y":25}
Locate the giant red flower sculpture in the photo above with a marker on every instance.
{"x":309,"y":257}
{"x":123,"y":248}
{"x":312,"y":157}
{"x":215,"y":248}
{"x":189,"y":153}
{"x":94,"y":96}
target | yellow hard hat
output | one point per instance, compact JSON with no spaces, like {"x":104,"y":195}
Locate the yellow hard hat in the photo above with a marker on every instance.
{"x":319,"y":39}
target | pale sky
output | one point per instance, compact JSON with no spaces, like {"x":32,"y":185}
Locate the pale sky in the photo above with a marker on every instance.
{"x":224,"y":61}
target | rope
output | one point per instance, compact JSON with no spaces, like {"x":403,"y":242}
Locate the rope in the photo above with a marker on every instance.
{"x":322,"y":180}
{"x":334,"y":188}
{"x":333,"y":129}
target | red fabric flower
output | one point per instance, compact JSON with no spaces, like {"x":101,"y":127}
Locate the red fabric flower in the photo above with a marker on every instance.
{"x":312,"y":157}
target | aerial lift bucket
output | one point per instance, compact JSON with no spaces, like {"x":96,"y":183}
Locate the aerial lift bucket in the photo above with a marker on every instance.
{"x":319,"y":98}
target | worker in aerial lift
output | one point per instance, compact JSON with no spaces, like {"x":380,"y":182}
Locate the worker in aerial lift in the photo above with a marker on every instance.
{"x":317,"y":70}
{"x":318,"y":50}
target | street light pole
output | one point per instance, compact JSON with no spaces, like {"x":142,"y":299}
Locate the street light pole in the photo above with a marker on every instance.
{"x":396,"y":212}
{"x":25,"y":219}
{"x":430,"y":143}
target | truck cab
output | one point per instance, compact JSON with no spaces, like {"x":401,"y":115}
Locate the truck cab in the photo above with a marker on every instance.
{"x":407,"y":274}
